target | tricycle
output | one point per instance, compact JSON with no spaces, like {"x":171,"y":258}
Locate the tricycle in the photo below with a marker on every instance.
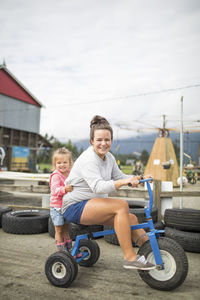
{"x":61,"y":268}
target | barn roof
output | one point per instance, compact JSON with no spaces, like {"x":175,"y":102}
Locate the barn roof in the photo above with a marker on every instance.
{"x":12,"y":87}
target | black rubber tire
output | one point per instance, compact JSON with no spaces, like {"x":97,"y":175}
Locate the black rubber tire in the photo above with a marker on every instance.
{"x":112,"y":238}
{"x":190,"y":241}
{"x":186,"y":219}
{"x":75,"y":229}
{"x":3,"y":210}
{"x":92,"y":248}
{"x":175,"y":262}
{"x":61,"y":269}
{"x":26,"y":221}
{"x":159,"y":225}
{"x":51,"y":228}
{"x":140,"y":213}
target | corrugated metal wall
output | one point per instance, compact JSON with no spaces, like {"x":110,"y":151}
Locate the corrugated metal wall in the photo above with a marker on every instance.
{"x":19,"y":115}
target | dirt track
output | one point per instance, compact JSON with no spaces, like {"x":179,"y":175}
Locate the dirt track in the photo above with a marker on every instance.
{"x":22,"y":274}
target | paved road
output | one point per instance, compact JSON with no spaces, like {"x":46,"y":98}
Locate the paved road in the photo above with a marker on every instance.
{"x":22,"y":260}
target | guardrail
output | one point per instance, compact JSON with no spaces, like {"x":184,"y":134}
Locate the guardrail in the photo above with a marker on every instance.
{"x":40,"y":185}
{"x":158,"y":194}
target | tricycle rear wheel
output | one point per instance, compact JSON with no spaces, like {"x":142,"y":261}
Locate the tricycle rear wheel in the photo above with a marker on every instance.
{"x":175,"y":265}
{"x":93,"y":251}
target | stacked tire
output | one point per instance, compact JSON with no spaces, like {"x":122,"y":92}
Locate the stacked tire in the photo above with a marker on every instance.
{"x":3,"y":210}
{"x":25,"y":221}
{"x":183,"y":225}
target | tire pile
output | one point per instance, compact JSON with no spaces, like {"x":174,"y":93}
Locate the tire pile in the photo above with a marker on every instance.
{"x":34,"y":221}
{"x":183,"y":225}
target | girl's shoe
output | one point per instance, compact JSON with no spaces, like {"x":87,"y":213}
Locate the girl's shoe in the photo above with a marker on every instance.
{"x":69,"y":247}
{"x":61,"y":246}
{"x":68,"y":244}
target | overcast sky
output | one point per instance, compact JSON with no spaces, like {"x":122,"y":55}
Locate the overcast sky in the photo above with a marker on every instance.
{"x":128,"y":60}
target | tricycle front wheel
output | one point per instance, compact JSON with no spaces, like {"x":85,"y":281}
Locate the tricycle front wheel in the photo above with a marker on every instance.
{"x":61,"y":269}
{"x":175,"y":265}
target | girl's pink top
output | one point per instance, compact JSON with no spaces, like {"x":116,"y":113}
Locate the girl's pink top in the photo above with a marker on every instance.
{"x":57,"y":186}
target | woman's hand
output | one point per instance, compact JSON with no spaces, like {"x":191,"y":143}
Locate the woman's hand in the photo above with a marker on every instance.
{"x":68,"y":188}
{"x":148,"y":176}
{"x":134,"y":181}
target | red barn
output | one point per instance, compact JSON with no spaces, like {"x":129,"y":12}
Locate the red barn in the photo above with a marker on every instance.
{"x":19,"y":124}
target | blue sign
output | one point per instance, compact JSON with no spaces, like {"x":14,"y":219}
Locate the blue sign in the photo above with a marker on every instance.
{"x":21,"y":152}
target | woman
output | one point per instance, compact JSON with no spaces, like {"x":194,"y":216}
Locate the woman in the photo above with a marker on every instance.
{"x":95,"y":174}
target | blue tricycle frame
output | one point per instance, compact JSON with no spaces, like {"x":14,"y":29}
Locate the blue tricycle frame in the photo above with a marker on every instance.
{"x":170,"y":259}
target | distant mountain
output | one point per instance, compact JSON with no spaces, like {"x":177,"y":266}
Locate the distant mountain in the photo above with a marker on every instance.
{"x":137,"y":144}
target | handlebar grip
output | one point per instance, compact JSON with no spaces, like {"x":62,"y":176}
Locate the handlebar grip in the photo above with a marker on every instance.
{"x":141,"y":181}
{"x":145,"y":180}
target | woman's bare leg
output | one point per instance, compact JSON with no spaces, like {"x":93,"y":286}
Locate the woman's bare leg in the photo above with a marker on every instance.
{"x":113,"y":212}
{"x":138,"y":235}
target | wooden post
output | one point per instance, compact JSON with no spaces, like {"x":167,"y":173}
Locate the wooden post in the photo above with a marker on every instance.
{"x":156,"y":196}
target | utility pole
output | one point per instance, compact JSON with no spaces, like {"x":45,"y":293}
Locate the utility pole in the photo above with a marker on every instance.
{"x":181,"y":151}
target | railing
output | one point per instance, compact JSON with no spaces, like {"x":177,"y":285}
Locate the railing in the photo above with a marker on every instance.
{"x":158,"y":194}
{"x":40,"y":185}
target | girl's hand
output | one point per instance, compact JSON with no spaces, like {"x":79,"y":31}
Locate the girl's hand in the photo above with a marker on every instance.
{"x":68,"y":188}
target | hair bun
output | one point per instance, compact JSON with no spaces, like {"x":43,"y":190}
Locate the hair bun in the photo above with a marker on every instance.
{"x":98,"y":120}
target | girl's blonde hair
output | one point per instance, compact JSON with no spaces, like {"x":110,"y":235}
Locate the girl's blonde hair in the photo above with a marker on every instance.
{"x":63,"y":151}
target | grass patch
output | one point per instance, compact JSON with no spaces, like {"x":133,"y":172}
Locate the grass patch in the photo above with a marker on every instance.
{"x":127,"y":169}
{"x":45,"y":168}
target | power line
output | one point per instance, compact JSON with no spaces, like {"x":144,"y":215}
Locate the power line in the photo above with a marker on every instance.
{"x":117,"y":97}
{"x":131,"y":96}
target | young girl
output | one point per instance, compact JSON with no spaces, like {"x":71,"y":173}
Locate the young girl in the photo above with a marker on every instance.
{"x":62,"y":163}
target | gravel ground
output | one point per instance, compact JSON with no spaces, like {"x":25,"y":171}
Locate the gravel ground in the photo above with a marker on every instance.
{"x":22,"y":274}
{"x":22,"y":261}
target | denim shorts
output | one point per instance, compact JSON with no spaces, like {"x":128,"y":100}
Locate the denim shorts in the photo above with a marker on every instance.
{"x":73,"y":212}
{"x":57,"y":218}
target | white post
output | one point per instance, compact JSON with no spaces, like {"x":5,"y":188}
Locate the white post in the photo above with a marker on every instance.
{"x":181,"y":151}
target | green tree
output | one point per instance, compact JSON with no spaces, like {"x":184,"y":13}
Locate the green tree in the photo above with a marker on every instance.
{"x":45,"y":154}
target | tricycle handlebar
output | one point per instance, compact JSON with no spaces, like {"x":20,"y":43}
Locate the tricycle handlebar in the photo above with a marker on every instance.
{"x":142,"y":181}
{"x":149,"y":191}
